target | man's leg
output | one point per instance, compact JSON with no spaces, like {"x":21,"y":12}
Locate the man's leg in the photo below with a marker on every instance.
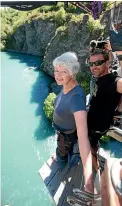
{"x":94,"y":158}
{"x":120,"y":106}
{"x":94,"y":141}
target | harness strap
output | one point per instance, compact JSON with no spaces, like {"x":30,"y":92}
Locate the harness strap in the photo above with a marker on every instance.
{"x":70,"y":131}
{"x":62,"y":144}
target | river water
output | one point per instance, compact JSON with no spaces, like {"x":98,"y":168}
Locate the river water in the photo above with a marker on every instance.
{"x":27,"y":138}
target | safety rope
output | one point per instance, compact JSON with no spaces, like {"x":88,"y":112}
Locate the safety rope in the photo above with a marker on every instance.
{"x":84,"y":7}
{"x":81,"y":6}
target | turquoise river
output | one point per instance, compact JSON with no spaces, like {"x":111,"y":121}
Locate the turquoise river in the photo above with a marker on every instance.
{"x":27,"y":138}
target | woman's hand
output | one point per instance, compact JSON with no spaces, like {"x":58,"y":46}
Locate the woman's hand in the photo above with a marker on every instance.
{"x":88,"y":183}
{"x":89,"y":187}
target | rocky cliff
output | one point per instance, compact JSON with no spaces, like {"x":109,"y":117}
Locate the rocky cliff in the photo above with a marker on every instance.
{"x":32,"y":37}
{"x":40,"y":37}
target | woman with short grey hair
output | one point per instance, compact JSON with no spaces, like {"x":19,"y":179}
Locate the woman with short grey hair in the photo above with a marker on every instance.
{"x":68,"y":60}
{"x":70,"y":116}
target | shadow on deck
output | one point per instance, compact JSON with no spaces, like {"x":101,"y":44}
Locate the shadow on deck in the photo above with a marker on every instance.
{"x":60,"y":182}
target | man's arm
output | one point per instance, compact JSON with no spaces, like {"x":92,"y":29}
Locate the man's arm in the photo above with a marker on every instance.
{"x":119,"y":86}
{"x":109,"y":50}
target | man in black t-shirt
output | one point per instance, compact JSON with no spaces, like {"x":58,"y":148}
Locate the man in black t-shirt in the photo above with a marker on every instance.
{"x":106,"y":96}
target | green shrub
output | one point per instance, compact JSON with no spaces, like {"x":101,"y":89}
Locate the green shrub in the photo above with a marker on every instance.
{"x":105,"y":5}
{"x":60,"y":17}
{"x":71,"y":8}
{"x":60,"y":28}
{"x":94,"y":25}
{"x":86,"y":86}
{"x":110,"y":5}
{"x":60,"y":4}
{"x":3,"y":35}
{"x":49,"y":106}
{"x":84,"y":80}
{"x":48,"y":8}
{"x":74,"y":18}
{"x":20,"y":21}
{"x":105,"y":138}
{"x":2,"y":46}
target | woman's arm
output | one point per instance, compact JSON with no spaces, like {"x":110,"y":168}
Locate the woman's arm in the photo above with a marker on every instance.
{"x":84,"y":147}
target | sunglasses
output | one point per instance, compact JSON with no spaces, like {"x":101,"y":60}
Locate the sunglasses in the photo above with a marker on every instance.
{"x":97,"y":63}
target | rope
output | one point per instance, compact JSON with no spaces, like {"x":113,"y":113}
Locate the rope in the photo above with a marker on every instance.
{"x":85,"y":7}
{"x":81,"y":6}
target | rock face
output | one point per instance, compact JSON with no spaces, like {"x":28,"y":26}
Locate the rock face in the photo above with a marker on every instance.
{"x":112,"y":15}
{"x":75,"y":38}
{"x":32,"y":38}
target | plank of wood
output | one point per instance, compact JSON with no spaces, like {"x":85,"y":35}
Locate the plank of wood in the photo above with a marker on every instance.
{"x":115,"y":135}
{"x":118,"y":52}
{"x":48,"y":170}
{"x":61,"y":193}
{"x":57,"y":184}
{"x":76,"y":182}
{"x":60,"y":183}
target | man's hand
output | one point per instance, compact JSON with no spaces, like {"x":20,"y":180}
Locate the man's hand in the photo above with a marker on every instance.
{"x":108,"y":46}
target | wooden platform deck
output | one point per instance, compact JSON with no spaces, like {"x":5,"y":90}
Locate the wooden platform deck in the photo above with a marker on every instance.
{"x":60,"y":182}
{"x":116,"y":135}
